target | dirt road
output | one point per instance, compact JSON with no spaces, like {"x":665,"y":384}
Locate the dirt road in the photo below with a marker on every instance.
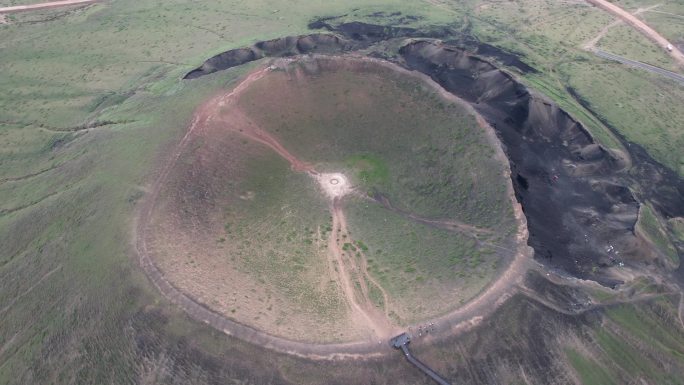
{"x":641,"y":27}
{"x":51,"y":4}
{"x":591,"y":44}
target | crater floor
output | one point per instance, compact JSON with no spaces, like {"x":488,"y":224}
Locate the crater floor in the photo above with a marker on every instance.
{"x":329,"y":200}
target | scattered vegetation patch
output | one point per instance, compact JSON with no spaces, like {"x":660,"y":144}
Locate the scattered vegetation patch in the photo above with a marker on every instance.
{"x":655,"y":231}
{"x":590,"y":373}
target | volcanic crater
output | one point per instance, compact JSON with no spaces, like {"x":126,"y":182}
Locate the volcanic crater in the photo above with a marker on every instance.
{"x":333,"y":200}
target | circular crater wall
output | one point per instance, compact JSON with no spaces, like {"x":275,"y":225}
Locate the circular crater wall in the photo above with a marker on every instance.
{"x":333,"y":200}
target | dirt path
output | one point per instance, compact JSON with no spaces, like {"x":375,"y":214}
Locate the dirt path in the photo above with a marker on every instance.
{"x":641,"y":27}
{"x":374,"y":282}
{"x":243,"y":125}
{"x":591,"y":44}
{"x":51,"y":4}
{"x":668,"y":13}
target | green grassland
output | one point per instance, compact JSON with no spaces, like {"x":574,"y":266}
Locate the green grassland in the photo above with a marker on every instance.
{"x":426,"y":271}
{"x":650,"y":224}
{"x":62,"y":71}
{"x":550,"y":35}
{"x":625,"y":41}
{"x":74,"y":306}
{"x":395,"y":136}
{"x":9,"y":3}
{"x":632,"y":329}
{"x":278,"y":237}
{"x":590,"y":373}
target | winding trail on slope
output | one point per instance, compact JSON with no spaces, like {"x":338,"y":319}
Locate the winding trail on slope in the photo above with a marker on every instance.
{"x":446,"y":224}
{"x":641,"y":27}
{"x":51,"y":4}
{"x":451,"y":323}
{"x":363,"y":307}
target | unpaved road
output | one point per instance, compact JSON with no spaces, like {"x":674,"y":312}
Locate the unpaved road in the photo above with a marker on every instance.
{"x":484,"y":304}
{"x":51,"y":4}
{"x":343,"y":267}
{"x":591,"y":44}
{"x":641,"y":27}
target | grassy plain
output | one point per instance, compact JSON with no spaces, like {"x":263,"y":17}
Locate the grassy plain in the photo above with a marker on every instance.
{"x":632,"y":329}
{"x":590,"y":373}
{"x":625,"y":41}
{"x":70,"y":286}
{"x":74,"y":306}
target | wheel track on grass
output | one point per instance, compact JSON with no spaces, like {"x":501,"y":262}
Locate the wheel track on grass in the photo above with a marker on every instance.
{"x":447,"y":224}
